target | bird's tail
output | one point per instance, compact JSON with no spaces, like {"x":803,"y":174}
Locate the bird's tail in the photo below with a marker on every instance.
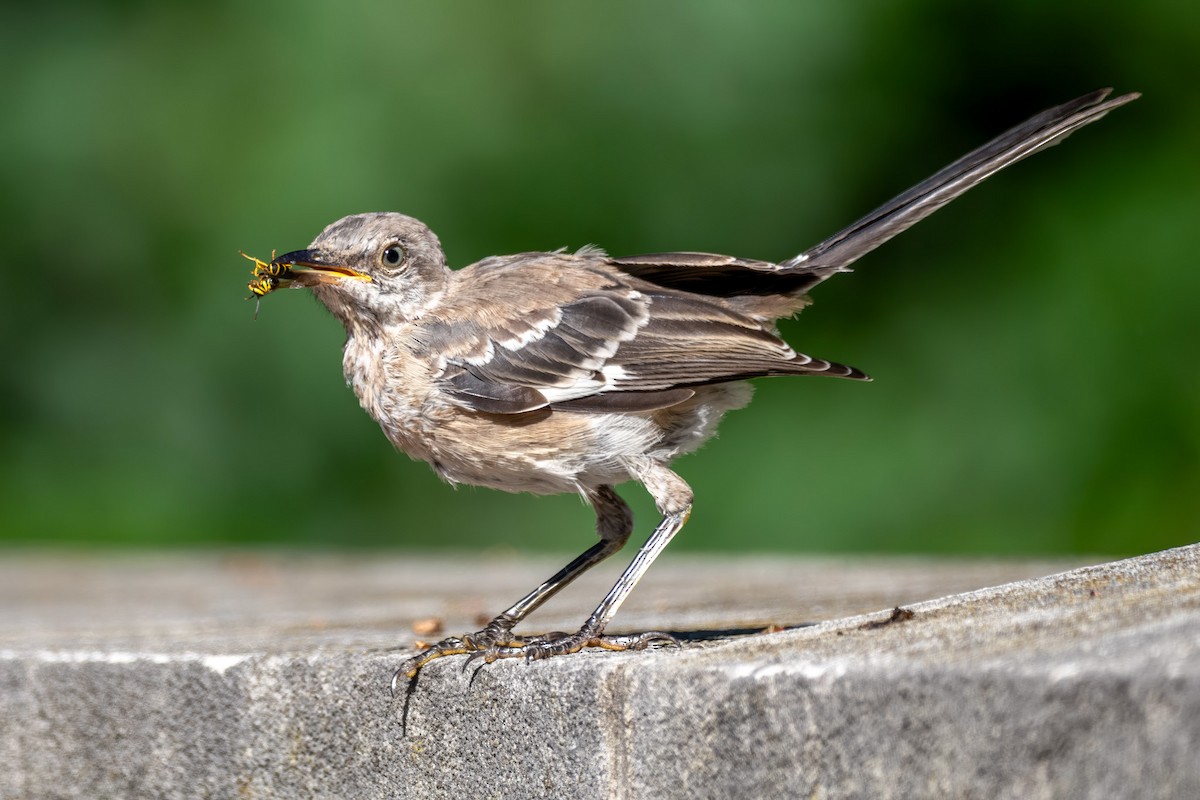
{"x":901,"y":212}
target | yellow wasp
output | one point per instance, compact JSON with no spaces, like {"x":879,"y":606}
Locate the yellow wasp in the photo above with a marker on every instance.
{"x":278,"y":272}
{"x":266,"y":277}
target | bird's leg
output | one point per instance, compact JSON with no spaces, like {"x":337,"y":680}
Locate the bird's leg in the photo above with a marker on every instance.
{"x":614,"y":523}
{"x":674,"y":500}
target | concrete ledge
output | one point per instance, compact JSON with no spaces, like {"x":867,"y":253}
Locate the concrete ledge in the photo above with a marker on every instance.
{"x":256,"y":675}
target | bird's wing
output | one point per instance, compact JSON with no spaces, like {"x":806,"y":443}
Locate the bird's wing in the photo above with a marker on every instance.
{"x":548,"y":329}
{"x":758,"y":289}
{"x":715,"y":275}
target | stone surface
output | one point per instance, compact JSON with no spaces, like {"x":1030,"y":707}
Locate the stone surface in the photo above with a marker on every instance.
{"x":263,"y":675}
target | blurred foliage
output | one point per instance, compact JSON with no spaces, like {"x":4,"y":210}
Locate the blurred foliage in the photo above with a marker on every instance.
{"x":1036,"y":386}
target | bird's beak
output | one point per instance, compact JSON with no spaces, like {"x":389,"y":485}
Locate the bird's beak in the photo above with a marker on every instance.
{"x":309,"y":268}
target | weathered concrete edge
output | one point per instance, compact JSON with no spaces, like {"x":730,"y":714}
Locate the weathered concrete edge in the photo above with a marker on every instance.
{"x":1082,"y":684}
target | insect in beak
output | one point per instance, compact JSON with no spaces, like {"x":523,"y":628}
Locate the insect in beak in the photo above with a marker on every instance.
{"x":266,"y":277}
{"x":300,"y":267}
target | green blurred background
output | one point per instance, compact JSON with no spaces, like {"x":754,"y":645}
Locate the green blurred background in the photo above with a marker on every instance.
{"x":1033,"y":345}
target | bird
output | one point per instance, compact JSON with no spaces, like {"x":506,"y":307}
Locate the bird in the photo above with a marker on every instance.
{"x":572,"y":372}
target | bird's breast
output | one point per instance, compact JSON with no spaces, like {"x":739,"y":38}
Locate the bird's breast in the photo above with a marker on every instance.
{"x":544,"y":451}
{"x":395,"y":388}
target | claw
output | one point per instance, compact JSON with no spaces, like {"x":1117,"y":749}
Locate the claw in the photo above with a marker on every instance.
{"x":474,"y":675}
{"x":472,"y":658}
{"x":396,"y":681}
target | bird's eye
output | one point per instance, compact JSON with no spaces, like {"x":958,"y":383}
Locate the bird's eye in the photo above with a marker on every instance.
{"x":393,"y":255}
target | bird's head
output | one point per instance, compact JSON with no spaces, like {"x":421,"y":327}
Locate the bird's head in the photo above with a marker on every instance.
{"x":371,"y":270}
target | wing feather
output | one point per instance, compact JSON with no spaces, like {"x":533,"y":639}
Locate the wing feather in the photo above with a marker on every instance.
{"x":567,"y":331}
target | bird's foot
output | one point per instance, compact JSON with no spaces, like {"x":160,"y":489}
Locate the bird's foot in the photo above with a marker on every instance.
{"x":561,"y":644}
{"x":497,"y":641}
{"x":497,"y":633}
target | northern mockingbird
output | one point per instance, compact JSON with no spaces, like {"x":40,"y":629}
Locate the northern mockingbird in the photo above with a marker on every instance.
{"x":573,"y":372}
